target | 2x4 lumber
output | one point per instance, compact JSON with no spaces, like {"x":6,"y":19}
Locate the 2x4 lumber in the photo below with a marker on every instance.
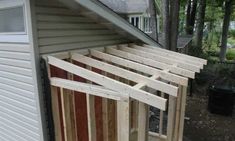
{"x":182,"y":113}
{"x":158,"y":58}
{"x":91,"y":113}
{"x":123,"y":120}
{"x":161,"y":86}
{"x":178,"y":54}
{"x":171,"y":118}
{"x":168,"y":55}
{"x":86,"y":88}
{"x":151,"y":62}
{"x":56,"y":113}
{"x":143,"y":68}
{"x":177,"y":115}
{"x":109,"y":83}
{"x":142,"y":115}
{"x":63,"y":114}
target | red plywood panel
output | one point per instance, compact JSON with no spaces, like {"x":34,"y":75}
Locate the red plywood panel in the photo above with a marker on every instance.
{"x":56,"y":72}
{"x":81,"y":110}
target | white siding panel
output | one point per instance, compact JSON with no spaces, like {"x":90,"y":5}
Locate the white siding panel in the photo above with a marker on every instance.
{"x":17,"y":77}
{"x":19,"y":117}
{"x":16,"y":70}
{"x":15,"y":55}
{"x":15,"y":62}
{"x":61,"y":29}
{"x":21,"y":131}
{"x":71,"y":32}
{"x":72,"y":46}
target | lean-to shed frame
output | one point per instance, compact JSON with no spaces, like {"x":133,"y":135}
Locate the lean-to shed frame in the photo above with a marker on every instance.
{"x":64,"y":30}
{"x":137,"y":77}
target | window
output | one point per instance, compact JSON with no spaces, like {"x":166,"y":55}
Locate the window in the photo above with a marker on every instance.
{"x":147,"y":27}
{"x":135,"y":20}
{"x":13,"y":21}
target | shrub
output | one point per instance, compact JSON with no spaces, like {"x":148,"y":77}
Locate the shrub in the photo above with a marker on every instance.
{"x":230,"y":54}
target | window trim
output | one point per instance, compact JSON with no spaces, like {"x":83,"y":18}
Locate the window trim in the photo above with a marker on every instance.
{"x":15,"y":37}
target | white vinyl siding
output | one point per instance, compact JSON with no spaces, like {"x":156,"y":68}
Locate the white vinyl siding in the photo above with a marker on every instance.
{"x":19,"y":117}
{"x":59,"y":29}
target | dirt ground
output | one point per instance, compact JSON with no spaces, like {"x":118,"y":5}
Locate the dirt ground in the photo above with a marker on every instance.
{"x":201,"y":125}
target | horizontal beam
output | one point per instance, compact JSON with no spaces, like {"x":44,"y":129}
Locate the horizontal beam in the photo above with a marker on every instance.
{"x":139,"y":67}
{"x":150,"y":62}
{"x":155,"y":84}
{"x":161,"y":59}
{"x":177,"y":54}
{"x":109,"y":83}
{"x":86,"y":88}
{"x":168,"y":55}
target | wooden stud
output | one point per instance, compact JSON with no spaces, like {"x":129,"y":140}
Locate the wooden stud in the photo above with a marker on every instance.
{"x":182,"y":114}
{"x":171,"y":118}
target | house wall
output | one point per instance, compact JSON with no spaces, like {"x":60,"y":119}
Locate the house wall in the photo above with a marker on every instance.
{"x":19,"y":118}
{"x":60,"y":28}
{"x":20,"y":115}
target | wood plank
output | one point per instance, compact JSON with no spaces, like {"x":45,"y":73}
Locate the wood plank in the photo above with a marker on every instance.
{"x":182,"y":114}
{"x":143,"y":68}
{"x":168,"y":55}
{"x":158,"y":85}
{"x":86,"y":88}
{"x":178,"y":54}
{"x":123,"y":120}
{"x":55,"y":112}
{"x":110,"y":83}
{"x":171,"y":118}
{"x":151,"y":62}
{"x":161,"y":59}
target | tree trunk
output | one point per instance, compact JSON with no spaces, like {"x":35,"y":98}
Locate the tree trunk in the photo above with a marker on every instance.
{"x":227,"y":15}
{"x":191,"y":16}
{"x":174,"y":24}
{"x":200,"y":24}
{"x":166,"y":24}
{"x":153,"y":20}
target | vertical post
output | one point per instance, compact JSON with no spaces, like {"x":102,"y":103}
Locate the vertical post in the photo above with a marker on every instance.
{"x":177,"y":116}
{"x":63,"y":113}
{"x":56,"y":113}
{"x":161,"y":118}
{"x":91,"y":114}
{"x":105,"y":116}
{"x":123,"y":120}
{"x":142,"y":122}
{"x":171,"y":118}
{"x":182,"y":114}
{"x":55,"y":107}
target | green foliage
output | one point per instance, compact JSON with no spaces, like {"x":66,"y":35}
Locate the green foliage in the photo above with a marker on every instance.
{"x":230,"y":55}
{"x":232,"y":33}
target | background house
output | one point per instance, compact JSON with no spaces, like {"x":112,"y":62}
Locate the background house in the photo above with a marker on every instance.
{"x":135,"y":11}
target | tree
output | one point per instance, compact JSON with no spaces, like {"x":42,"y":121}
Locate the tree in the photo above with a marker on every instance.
{"x":166,"y":24}
{"x":170,"y":23}
{"x":200,"y":24}
{"x":153,"y":19}
{"x":227,"y":15}
{"x":191,"y":16}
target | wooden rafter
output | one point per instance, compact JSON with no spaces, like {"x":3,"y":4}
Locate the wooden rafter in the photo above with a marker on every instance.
{"x":109,"y":83}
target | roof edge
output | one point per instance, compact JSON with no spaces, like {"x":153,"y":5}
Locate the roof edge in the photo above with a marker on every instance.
{"x":108,"y":14}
